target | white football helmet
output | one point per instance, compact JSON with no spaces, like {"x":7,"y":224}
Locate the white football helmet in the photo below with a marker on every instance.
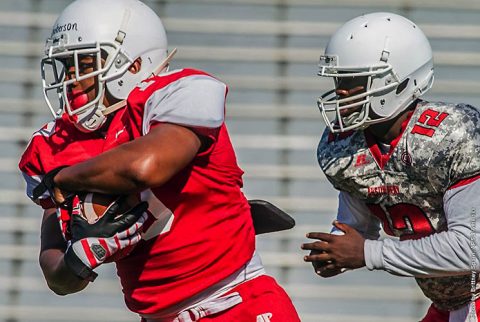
{"x":119,"y":31}
{"x":394,"y":57}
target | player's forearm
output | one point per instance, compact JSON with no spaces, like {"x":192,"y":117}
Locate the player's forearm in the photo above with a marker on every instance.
{"x":435,"y":255}
{"x":104,"y":174}
{"x":148,"y":161}
{"x":59,"y":278}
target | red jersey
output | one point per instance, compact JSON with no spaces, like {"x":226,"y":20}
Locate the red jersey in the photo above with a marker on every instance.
{"x":206,"y":228}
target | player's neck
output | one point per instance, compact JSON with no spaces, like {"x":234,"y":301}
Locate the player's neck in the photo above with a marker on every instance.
{"x":387,"y":131}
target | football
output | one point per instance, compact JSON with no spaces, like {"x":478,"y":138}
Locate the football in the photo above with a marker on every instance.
{"x":94,"y":205}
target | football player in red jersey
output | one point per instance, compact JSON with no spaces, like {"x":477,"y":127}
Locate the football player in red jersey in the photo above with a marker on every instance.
{"x":122,"y":129}
{"x":400,"y":162}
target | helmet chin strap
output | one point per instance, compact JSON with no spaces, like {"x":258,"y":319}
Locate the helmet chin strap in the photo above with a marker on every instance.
{"x":165,"y":63}
{"x":114,"y":107}
{"x":92,"y":122}
{"x":160,"y":68}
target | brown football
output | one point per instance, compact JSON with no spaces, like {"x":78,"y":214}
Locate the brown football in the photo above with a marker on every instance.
{"x":94,"y":205}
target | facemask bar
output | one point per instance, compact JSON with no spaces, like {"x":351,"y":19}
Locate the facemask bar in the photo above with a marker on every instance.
{"x":329,"y":103}
{"x":58,"y":77}
{"x":62,"y":52}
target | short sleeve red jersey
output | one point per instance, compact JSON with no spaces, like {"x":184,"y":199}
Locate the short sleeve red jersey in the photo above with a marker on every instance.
{"x":207,"y":232}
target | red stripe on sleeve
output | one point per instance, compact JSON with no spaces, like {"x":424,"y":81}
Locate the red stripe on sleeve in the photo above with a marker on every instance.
{"x":464,"y":182}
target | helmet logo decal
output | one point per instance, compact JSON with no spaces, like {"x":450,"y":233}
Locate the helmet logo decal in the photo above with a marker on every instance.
{"x":65,"y":27}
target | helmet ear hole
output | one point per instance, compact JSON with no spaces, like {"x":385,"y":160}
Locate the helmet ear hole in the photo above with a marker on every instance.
{"x":136,"y":66}
{"x":402,"y":86}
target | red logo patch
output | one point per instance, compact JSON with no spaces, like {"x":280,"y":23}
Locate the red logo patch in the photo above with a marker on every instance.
{"x":406,"y":158}
{"x":361,"y":160}
{"x":384,"y":190}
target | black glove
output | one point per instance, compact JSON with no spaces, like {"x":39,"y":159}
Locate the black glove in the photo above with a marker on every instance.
{"x":47,"y":184}
{"x":109,"y":224}
{"x":92,"y":244}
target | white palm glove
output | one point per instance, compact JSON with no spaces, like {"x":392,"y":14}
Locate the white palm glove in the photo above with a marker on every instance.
{"x":93,"y":244}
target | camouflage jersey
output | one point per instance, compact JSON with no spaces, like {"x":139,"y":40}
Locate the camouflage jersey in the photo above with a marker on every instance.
{"x":439,"y":149}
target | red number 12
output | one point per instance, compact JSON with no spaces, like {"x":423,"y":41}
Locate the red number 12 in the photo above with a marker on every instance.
{"x":431,"y":118}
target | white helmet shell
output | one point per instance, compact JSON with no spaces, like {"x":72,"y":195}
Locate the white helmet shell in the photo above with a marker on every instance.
{"x":394,"y":56}
{"x":119,"y":31}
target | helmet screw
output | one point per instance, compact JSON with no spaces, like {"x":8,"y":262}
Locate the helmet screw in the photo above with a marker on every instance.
{"x":80,"y":39}
{"x":120,"y":82}
{"x":382,"y":102}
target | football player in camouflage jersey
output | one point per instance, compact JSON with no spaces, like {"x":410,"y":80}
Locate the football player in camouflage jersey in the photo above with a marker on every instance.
{"x":399,"y":162}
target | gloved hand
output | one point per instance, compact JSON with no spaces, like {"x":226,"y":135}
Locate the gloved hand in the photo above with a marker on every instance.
{"x":92,"y":244}
{"x":48,"y":184}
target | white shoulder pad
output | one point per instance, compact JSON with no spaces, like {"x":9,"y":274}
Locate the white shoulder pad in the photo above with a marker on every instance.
{"x":196,"y":101}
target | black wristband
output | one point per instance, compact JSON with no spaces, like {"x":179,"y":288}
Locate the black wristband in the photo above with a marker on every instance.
{"x":78,"y":267}
{"x":47,"y":183}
